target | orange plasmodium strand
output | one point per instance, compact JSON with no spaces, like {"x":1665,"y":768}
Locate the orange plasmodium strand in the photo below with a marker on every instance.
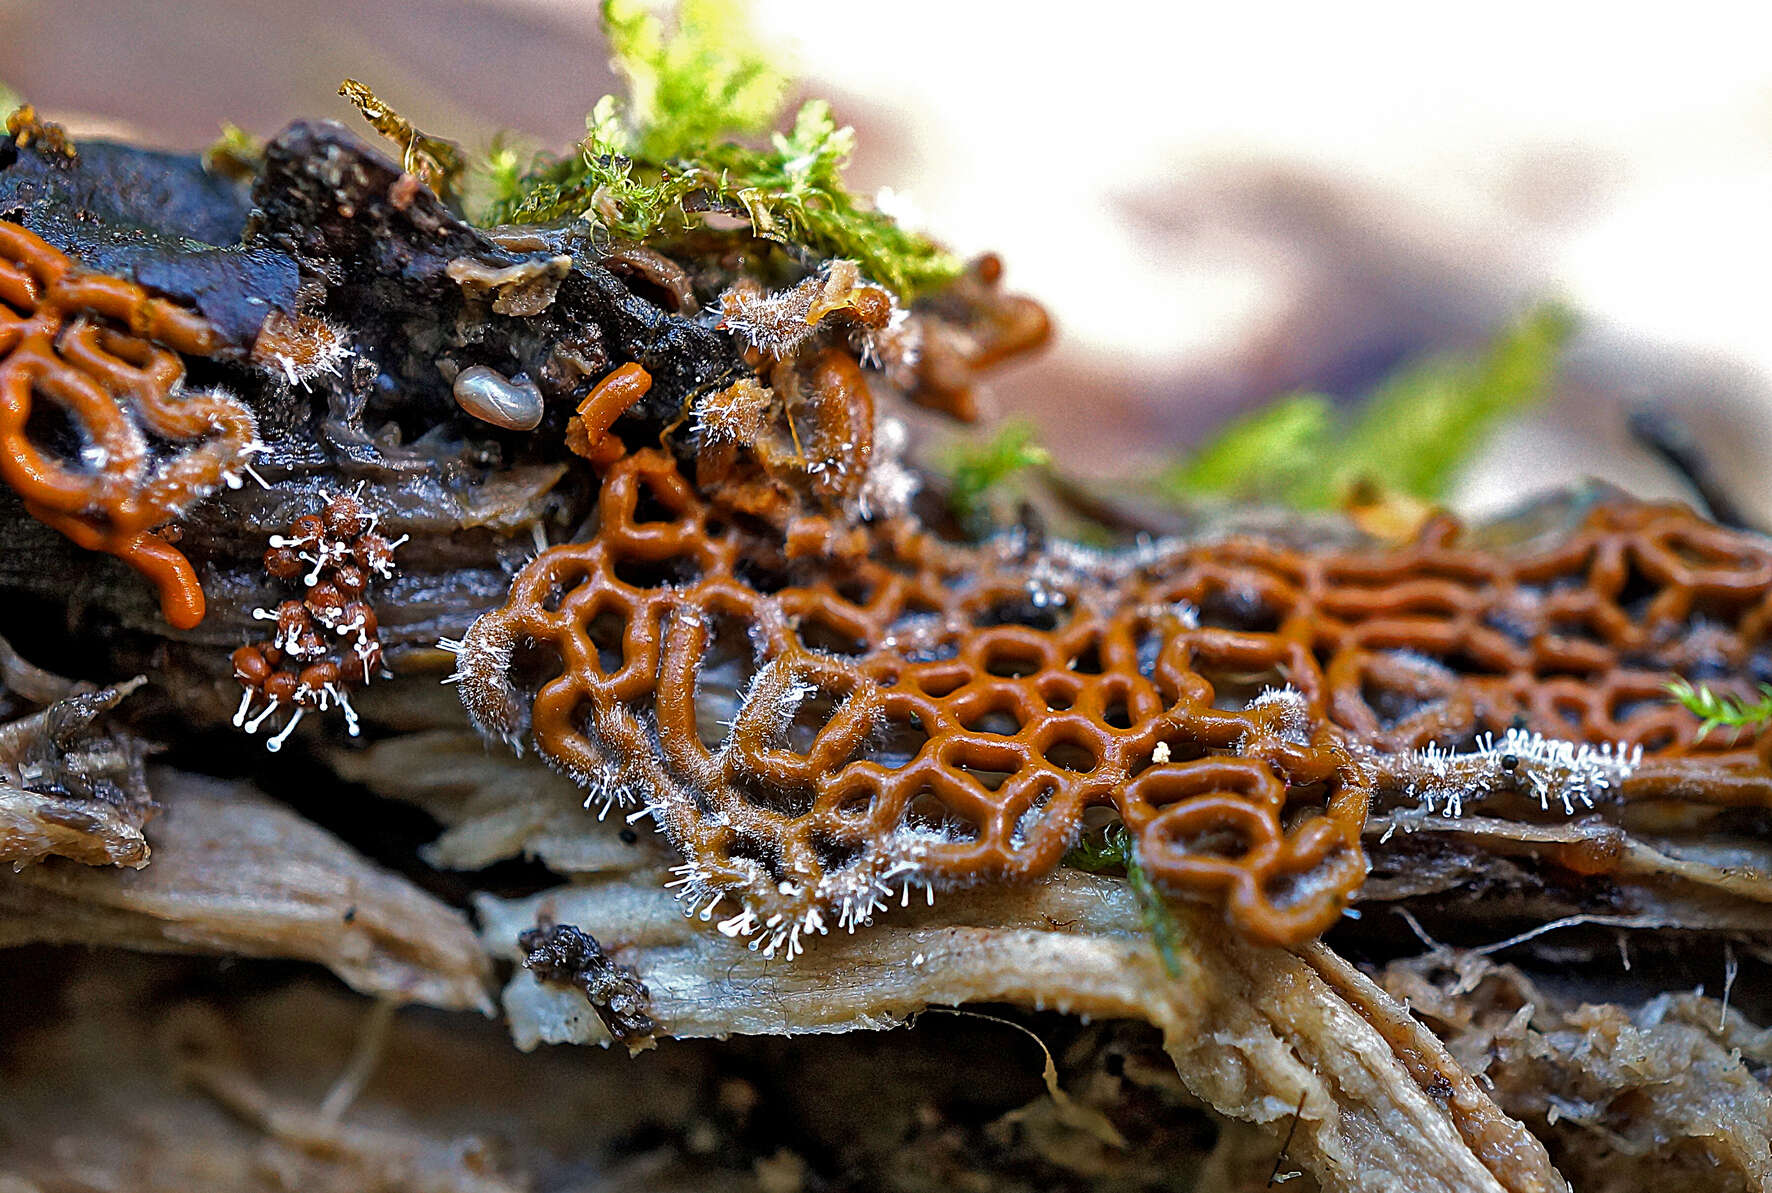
{"x":160,"y":563}
{"x":108,"y":355}
{"x":983,"y":327}
{"x":818,"y":738}
{"x":587,"y":433}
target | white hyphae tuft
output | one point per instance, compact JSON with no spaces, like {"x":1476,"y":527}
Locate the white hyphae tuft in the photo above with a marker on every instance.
{"x":1290,"y":711}
{"x":1181,"y":614}
{"x":774,"y":323}
{"x":606,"y":787}
{"x":779,"y":916}
{"x":895,"y":349}
{"x":302,"y":349}
{"x":1549,"y":769}
{"x":774,"y":696}
{"x":482,"y":674}
{"x":739,"y":414}
{"x":890,"y":486}
{"x":780,"y":322}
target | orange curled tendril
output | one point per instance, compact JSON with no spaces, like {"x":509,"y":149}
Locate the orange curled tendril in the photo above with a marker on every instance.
{"x":108,"y":356}
{"x":818,"y":741}
{"x":794,"y":453}
{"x":980,"y":327}
{"x":587,"y":433}
{"x":26,"y":130}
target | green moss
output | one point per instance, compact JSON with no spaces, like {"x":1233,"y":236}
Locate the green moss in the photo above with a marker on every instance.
{"x":1116,"y":850}
{"x":979,"y":469}
{"x":663,"y":160}
{"x":1273,"y":449}
{"x":691,"y":87}
{"x":495,"y":178}
{"x":235,"y":154}
{"x":1717,"y":711}
{"x":1409,"y":437}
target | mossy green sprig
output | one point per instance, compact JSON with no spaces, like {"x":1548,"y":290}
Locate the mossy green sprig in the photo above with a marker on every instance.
{"x":670,"y":155}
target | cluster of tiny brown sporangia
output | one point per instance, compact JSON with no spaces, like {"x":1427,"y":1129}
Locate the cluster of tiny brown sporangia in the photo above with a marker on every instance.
{"x":326,"y":642}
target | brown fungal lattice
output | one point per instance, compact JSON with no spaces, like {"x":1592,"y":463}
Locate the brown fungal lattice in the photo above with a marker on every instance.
{"x":107,"y":356}
{"x":816,"y":741}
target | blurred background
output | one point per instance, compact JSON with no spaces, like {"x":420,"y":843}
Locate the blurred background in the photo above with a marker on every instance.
{"x":1218,"y":203}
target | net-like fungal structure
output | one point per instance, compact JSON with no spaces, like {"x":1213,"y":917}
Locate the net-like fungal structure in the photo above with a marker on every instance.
{"x":142,"y":450}
{"x":820,"y":734}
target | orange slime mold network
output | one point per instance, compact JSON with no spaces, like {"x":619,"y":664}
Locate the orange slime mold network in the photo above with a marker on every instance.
{"x":108,"y":355}
{"x":818,"y":735}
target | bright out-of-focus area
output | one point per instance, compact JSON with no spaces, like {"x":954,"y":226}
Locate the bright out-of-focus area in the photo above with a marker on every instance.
{"x":1219,"y":204}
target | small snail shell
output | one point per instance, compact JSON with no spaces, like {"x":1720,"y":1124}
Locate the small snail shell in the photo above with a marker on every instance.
{"x":492,"y":397}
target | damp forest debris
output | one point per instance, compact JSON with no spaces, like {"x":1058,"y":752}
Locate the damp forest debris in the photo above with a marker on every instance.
{"x":729,"y":522}
{"x":663,"y":526}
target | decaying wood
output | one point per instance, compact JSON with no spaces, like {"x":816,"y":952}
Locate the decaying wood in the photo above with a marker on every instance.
{"x":1257,"y":1033}
{"x":1576,"y":1071}
{"x":67,"y":788}
{"x":237,"y":874}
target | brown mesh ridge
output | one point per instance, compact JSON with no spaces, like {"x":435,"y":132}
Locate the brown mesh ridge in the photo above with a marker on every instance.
{"x":107,"y":356}
{"x":818,"y":741}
